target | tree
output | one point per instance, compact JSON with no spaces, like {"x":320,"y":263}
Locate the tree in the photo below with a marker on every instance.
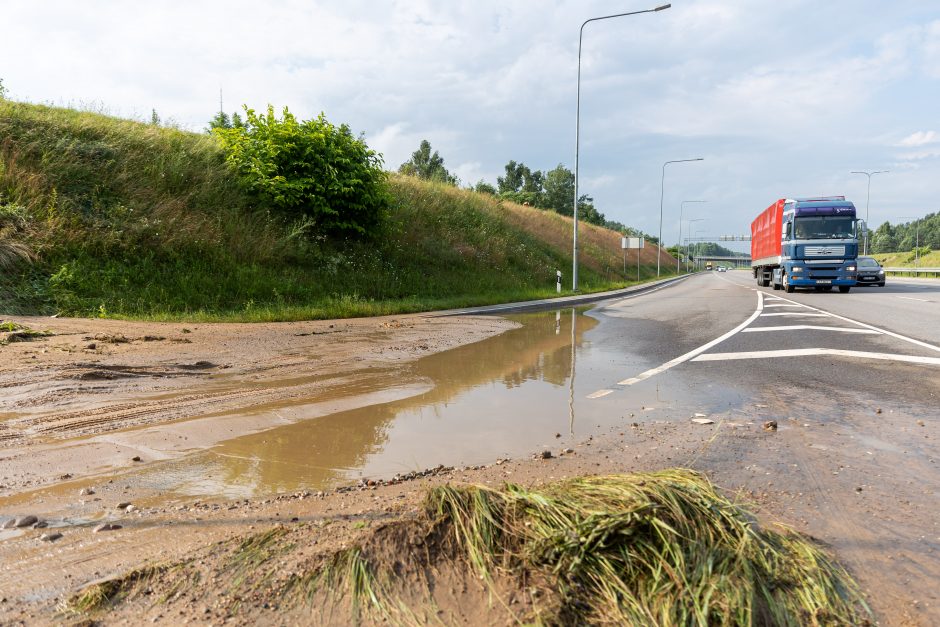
{"x":427,"y":165}
{"x":154,"y":118}
{"x":588,"y":213}
{"x":482,"y":187}
{"x":522,"y":185}
{"x":3,"y":90}
{"x":311,"y":169}
{"x":559,"y":190}
{"x":884,"y":239}
{"x":219,"y":120}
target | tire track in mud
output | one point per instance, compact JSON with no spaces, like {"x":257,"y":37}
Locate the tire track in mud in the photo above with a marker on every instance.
{"x":70,"y":424}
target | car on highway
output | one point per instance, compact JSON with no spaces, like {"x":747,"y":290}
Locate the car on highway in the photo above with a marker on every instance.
{"x":870,"y":272}
{"x":722,"y":269}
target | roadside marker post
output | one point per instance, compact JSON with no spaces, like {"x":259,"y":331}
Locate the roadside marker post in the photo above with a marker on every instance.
{"x":558,"y":281}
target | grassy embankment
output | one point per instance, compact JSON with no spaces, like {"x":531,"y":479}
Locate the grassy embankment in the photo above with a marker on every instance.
{"x":907,"y":259}
{"x":101,"y":216}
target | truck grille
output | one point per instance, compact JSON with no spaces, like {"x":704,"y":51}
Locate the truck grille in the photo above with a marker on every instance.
{"x":825,"y":251}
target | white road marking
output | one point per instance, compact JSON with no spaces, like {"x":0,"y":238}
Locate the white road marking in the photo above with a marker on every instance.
{"x":795,"y":314}
{"x":923,"y":300}
{"x":813,"y":352}
{"x":884,"y":331}
{"x":698,"y":351}
{"x":783,"y":305}
{"x":798,"y":327}
{"x":600,"y":393}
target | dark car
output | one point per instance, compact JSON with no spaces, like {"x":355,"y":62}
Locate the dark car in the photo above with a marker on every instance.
{"x":870,"y":272}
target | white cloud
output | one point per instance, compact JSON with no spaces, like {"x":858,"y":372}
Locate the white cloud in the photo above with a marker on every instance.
{"x":920,"y":138}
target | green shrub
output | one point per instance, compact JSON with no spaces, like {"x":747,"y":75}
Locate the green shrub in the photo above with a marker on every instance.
{"x":310,"y":169}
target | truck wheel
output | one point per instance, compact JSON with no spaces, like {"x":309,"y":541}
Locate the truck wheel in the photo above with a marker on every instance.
{"x":786,"y":284}
{"x":844,"y":289}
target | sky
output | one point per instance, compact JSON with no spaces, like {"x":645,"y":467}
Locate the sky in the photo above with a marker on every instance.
{"x":780,"y":99}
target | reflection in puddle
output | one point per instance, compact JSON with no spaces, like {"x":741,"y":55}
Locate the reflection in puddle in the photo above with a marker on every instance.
{"x":504,"y":396}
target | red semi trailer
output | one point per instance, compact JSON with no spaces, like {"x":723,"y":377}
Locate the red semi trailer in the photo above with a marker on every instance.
{"x":806,"y":242}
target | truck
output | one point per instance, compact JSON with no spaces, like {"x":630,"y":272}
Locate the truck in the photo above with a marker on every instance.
{"x":806,"y":242}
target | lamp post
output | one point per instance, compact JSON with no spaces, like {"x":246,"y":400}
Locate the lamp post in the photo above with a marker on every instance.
{"x":662,"y":189}
{"x":916,"y":238}
{"x":679,"y":241}
{"x":867,"y":199}
{"x":689,"y":241}
{"x":577,"y":139}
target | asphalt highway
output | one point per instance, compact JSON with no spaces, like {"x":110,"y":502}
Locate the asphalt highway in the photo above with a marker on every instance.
{"x":851,"y":383}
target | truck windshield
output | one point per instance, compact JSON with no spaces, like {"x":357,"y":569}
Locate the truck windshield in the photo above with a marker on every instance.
{"x":825,"y":227}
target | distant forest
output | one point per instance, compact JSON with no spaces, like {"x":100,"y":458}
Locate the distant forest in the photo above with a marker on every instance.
{"x":893,"y":238}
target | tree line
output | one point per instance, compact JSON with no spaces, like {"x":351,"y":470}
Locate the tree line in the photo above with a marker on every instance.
{"x":893,"y":238}
{"x":552,"y":190}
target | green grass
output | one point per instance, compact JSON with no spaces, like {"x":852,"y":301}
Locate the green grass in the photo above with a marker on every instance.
{"x":907,"y":259}
{"x":659,"y":548}
{"x":101,"y":216}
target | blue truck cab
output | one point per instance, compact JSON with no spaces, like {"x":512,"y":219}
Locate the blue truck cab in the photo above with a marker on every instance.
{"x":819,"y":244}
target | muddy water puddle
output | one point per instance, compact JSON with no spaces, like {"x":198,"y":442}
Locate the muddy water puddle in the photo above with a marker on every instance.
{"x":513,"y":395}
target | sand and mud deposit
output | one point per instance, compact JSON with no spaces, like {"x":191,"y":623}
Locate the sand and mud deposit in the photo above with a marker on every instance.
{"x":143,"y":444}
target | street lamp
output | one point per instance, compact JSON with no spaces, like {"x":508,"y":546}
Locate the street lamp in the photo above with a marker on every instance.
{"x":577,"y":138}
{"x":679,"y":241}
{"x":661,"y":190}
{"x":689,"y":241}
{"x":916,"y":238}
{"x":867,"y":198}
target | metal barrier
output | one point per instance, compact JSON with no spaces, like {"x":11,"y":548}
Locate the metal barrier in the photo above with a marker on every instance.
{"x":914,"y":271}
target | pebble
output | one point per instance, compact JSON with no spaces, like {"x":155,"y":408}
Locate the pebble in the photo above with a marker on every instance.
{"x":50,"y":537}
{"x":86,"y":491}
{"x":123,"y":505}
{"x":9,"y":524}
{"x":106,"y":527}
{"x":135,"y":458}
{"x":25,"y":521}
{"x":770,"y":425}
{"x":42,"y":524}
{"x":546,"y":454}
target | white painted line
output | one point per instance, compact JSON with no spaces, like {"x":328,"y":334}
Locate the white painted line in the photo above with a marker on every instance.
{"x":783,"y":305}
{"x":698,"y":351}
{"x":810,"y":327}
{"x":923,"y":300}
{"x":884,"y":331}
{"x":795,"y":314}
{"x":814,"y":352}
{"x":600,"y":393}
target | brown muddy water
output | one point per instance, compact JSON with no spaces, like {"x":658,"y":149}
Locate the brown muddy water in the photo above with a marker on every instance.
{"x":512,"y":395}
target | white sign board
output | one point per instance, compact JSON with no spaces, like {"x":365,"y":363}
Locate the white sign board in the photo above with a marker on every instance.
{"x":632,"y":242}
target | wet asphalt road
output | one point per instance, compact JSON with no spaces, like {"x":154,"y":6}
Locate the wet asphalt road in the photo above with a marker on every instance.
{"x":873,"y":343}
{"x":852,"y":380}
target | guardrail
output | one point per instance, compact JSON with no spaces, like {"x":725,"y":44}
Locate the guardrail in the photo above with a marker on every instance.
{"x":914,"y":271}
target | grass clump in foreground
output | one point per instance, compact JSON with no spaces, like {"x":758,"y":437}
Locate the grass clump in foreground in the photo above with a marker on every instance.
{"x":663,"y":548}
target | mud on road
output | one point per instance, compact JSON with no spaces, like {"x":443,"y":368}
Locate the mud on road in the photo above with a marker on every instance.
{"x":94,"y":400}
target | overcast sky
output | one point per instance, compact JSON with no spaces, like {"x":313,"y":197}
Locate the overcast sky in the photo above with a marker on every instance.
{"x":781,"y":98}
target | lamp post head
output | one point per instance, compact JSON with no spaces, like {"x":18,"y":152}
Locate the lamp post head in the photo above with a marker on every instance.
{"x":662,"y":7}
